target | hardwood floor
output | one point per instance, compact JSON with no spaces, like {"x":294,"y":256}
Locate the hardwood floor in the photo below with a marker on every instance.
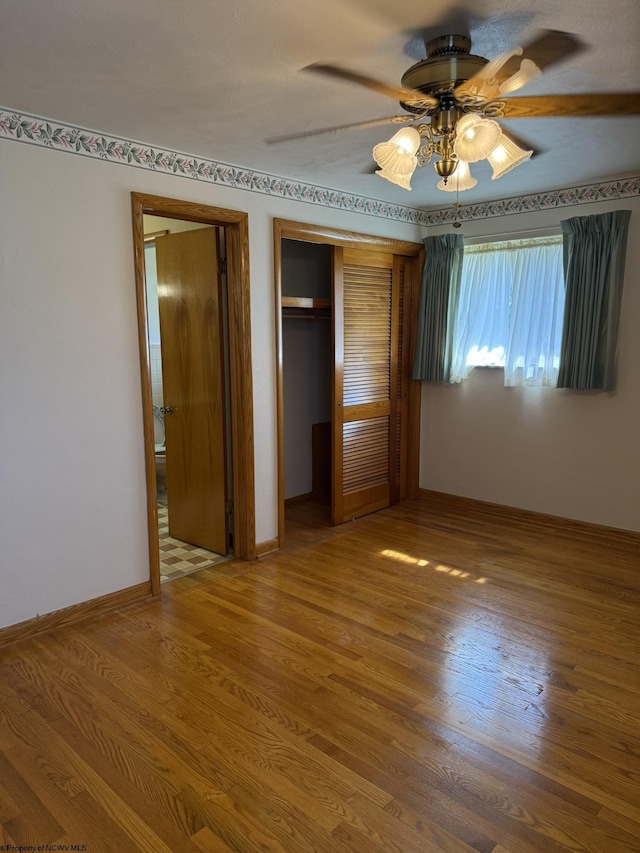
{"x":440,"y":676}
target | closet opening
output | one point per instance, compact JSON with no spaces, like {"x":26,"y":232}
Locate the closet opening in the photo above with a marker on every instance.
{"x":348,"y":409}
{"x":306,"y":383}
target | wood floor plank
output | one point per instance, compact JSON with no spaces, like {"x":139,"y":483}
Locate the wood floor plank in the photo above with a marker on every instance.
{"x":545,"y":822}
{"x":434,"y":815}
{"x":9,"y":809}
{"x":34,"y":745}
{"x":148,"y":762}
{"x":292,"y":828}
{"x":439,"y":676}
{"x":208,"y":842}
{"x":34,"y":823}
{"x":582,"y":772}
{"x":141,"y":819}
{"x":148,"y":719}
{"x":626,"y":693}
{"x":220,"y":716}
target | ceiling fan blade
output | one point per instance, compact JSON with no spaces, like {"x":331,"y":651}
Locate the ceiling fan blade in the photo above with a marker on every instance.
{"x":550,"y":46}
{"x":568,"y":106}
{"x":339,"y":127}
{"x":398,"y":93}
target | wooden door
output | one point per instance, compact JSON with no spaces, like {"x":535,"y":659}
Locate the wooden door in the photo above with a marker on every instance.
{"x":193,"y":387}
{"x":367,"y":409}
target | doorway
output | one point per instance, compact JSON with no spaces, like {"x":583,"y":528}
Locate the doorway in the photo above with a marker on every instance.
{"x":186,"y":317}
{"x":206,"y":404}
{"x":374,"y":412}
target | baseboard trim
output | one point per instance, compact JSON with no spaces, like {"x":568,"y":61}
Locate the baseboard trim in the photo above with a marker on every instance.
{"x":76,"y":613}
{"x":516,"y":514}
{"x":267,"y":547}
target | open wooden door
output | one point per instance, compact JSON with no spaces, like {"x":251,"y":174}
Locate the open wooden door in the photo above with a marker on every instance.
{"x":366,"y":406}
{"x":193,"y":387}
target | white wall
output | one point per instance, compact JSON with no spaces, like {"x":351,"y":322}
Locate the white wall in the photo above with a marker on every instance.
{"x":72,"y":485}
{"x":567,"y":453}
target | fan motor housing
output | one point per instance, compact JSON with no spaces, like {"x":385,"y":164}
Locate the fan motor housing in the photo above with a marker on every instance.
{"x":448,"y":64}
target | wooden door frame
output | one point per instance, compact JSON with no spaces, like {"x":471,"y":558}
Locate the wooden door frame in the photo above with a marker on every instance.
{"x":290,"y":230}
{"x":236,"y":226}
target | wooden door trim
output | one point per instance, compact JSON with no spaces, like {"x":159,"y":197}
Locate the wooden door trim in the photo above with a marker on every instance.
{"x":393,"y":379}
{"x":414,"y":401}
{"x":236,"y":228}
{"x":337,"y":376}
{"x":291,"y":230}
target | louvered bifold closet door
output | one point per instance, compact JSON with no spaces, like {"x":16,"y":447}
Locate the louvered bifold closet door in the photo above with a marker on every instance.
{"x":365,"y":445}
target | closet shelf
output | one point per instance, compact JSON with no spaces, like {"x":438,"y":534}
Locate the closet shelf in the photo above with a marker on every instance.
{"x":306,"y":308}
{"x":304,"y":302}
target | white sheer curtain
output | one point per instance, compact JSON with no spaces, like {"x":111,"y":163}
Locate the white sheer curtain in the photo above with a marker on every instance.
{"x":510,"y":311}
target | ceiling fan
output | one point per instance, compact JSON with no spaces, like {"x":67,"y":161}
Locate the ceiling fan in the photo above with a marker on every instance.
{"x":452,"y":99}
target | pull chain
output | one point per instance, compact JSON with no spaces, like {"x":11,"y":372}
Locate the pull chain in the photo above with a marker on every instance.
{"x":456,"y":206}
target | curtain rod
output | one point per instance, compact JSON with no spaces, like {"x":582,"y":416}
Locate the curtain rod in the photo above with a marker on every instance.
{"x":549,"y":231}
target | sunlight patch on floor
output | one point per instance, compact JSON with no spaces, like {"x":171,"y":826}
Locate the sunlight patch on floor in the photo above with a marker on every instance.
{"x":436,"y":567}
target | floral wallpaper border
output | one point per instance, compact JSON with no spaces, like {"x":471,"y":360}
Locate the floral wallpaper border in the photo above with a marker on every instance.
{"x":87,"y":143}
{"x":607,"y":191}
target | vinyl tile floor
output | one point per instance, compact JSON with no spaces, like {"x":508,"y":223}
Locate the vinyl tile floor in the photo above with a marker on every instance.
{"x":177,"y":558}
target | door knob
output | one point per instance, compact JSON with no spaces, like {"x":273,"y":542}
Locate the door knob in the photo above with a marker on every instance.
{"x":167,"y":410}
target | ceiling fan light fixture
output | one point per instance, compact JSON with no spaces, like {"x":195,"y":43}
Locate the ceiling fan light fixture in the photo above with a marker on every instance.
{"x":461,"y":179}
{"x":506,"y":156}
{"x":400,"y":179}
{"x":476,"y":137}
{"x":398,"y":155}
{"x":527,"y":72}
{"x":458,"y":94}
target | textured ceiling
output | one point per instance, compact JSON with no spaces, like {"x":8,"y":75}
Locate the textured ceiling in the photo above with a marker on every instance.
{"x":215,"y":78}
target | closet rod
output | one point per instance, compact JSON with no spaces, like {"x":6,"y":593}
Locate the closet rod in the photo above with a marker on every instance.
{"x":305,"y":316}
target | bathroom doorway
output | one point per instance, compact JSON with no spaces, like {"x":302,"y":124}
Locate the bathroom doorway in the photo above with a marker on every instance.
{"x":198,"y":439}
{"x":186,"y":319}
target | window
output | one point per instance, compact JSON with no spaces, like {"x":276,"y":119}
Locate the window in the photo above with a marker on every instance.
{"x":510,"y":311}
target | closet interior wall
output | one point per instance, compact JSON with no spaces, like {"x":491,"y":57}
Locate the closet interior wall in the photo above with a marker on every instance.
{"x":307,"y":367}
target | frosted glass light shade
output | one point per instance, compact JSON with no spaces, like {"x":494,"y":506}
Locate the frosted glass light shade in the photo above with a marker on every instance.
{"x":527,"y":72}
{"x":402,"y":180}
{"x":475,"y":138}
{"x":461,"y":179}
{"x":398,"y":155}
{"x":506,"y":156}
